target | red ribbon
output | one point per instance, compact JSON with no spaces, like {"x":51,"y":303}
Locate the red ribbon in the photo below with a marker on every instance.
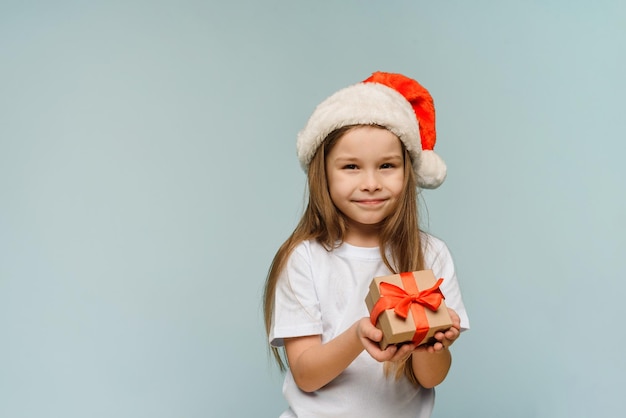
{"x":401,"y":300}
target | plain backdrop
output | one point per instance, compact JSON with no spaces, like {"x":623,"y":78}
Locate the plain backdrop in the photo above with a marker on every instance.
{"x":148,"y":175}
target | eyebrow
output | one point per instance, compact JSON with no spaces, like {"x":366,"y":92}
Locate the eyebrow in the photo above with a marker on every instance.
{"x":392,"y":157}
{"x":382,"y":157}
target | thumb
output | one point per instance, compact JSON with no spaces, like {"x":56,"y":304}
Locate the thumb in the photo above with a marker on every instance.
{"x":369,"y":331}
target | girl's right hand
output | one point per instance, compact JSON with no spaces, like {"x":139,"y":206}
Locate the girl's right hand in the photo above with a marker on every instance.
{"x":370,"y":337}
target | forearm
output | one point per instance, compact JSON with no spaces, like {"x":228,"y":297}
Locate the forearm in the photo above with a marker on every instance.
{"x":319,"y":364}
{"x":431,"y":369}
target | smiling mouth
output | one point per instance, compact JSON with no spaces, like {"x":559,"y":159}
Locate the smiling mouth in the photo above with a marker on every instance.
{"x":370,"y":202}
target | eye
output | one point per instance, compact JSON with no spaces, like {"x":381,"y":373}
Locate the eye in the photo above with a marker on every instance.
{"x":387,"y":165}
{"x":350,"y":167}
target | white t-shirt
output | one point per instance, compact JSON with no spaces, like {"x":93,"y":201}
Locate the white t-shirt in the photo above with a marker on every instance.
{"x":323,"y":293}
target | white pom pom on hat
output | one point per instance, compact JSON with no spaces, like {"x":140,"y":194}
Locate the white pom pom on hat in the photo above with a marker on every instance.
{"x":394,"y":101}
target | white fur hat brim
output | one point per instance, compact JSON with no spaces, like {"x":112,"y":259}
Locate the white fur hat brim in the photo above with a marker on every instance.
{"x":371,"y":104}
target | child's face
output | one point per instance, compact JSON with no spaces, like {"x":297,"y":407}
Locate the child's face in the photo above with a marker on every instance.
{"x":365,"y":171}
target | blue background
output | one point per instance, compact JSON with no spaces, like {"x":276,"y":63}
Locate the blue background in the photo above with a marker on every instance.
{"x":148,"y":175}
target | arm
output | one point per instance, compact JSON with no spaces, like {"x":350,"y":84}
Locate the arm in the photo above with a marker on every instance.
{"x":431,"y":364}
{"x":314,"y":364}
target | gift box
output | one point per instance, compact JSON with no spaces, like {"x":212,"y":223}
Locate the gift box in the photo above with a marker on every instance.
{"x":407,"y":307}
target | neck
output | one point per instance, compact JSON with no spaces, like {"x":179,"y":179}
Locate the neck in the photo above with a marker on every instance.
{"x":363,"y":236}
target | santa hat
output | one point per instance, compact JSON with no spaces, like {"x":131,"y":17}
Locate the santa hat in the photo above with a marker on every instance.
{"x":393,"y":101}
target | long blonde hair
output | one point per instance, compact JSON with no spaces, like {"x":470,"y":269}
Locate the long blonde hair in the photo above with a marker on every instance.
{"x":321,"y":221}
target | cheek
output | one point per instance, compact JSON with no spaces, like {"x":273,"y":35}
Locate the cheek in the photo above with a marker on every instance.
{"x":337,"y":192}
{"x":397,"y":185}
{"x":333,"y":189}
{"x":338,"y":184}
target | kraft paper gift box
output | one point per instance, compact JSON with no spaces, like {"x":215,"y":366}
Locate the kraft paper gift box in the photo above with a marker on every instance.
{"x":414,"y":295}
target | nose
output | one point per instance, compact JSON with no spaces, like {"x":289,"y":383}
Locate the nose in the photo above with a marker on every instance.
{"x":370,"y":182}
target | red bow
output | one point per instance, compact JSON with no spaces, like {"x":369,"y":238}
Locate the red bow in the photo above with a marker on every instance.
{"x":396,"y":298}
{"x":401,"y":301}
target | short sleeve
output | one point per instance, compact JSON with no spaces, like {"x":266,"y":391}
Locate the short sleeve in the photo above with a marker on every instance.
{"x":296,"y":304}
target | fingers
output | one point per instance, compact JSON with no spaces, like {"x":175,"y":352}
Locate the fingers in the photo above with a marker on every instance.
{"x":365,"y":329}
{"x":381,"y":355}
{"x":392,"y":352}
{"x":444,"y":339}
{"x":434,"y":348}
{"x":449,"y":334}
{"x":452,"y":334}
{"x":395,"y":353}
{"x":371,"y":336}
{"x":403,"y":352}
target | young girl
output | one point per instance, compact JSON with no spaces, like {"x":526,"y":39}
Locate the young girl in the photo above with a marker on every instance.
{"x":366,"y":150}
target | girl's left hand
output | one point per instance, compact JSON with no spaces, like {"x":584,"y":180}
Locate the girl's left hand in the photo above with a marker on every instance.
{"x":446,"y":338}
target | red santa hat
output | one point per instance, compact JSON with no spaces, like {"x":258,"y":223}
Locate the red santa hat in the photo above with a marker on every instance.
{"x":394,"y":101}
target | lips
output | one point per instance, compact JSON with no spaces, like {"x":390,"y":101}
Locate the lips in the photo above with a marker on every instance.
{"x":370,"y":202}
